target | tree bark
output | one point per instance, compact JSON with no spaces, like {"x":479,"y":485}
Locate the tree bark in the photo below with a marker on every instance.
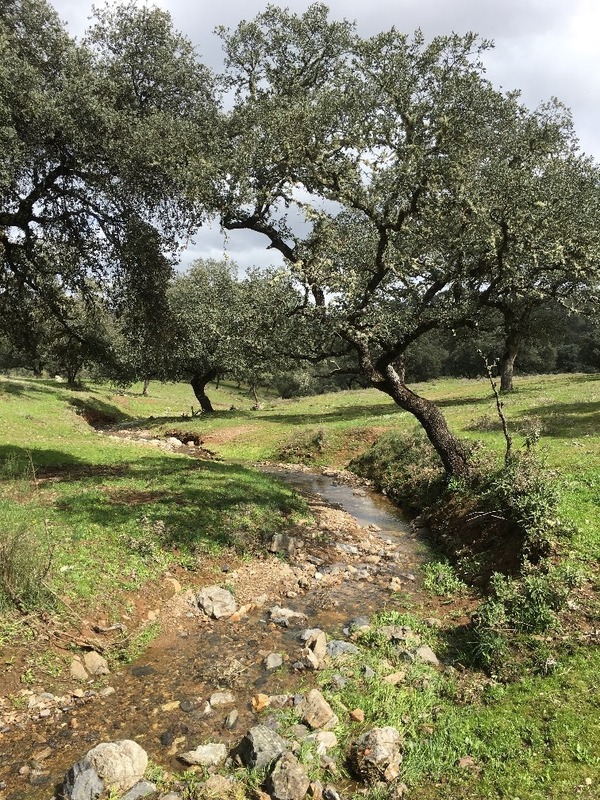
{"x":199,"y":382}
{"x":453,"y":454}
{"x":509,"y":355}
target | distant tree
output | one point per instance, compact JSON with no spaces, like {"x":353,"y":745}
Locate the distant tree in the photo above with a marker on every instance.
{"x":221,"y":325}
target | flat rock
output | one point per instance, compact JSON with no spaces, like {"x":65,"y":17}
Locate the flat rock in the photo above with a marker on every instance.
{"x":206,"y":755}
{"x":426,"y":654}
{"x":283,"y":616}
{"x":316,"y":711}
{"x":273,"y":661}
{"x":220,"y":699}
{"x":216,"y":602}
{"x":337,"y":648}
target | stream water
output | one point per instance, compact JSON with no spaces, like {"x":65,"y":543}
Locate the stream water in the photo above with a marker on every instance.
{"x":160,"y":700}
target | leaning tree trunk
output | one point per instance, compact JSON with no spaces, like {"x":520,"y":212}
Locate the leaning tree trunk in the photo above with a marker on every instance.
{"x":452,"y":452}
{"x":199,"y":382}
{"x":509,"y":355}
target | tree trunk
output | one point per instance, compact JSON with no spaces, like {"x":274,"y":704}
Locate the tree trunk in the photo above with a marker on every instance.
{"x":507,"y":362}
{"x":452,"y":452}
{"x":199,"y":385}
{"x":145,"y":389}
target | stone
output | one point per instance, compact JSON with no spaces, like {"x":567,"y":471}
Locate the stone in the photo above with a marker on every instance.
{"x":107,"y":691}
{"x":368,"y":672}
{"x":205,"y":755}
{"x":283,"y":616}
{"x":260,"y":747}
{"x":174,"y":441}
{"x":281,"y":543}
{"x":109,"y":766}
{"x":288,"y":780}
{"x":315,"y":790}
{"x":375,"y":756}
{"x":315,"y":650}
{"x":216,"y":602}
{"x":325,"y":740}
{"x":279,"y":700}
{"x":260,"y":702}
{"x":231,"y":719}
{"x":141,"y":789}
{"x":316,"y":711}
{"x":273,"y":661}
{"x":426,"y":654}
{"x":395,"y":678}
{"x":95,"y":664}
{"x":220,"y":699}
{"x":78,"y":671}
{"x":338,"y":647}
{"x":331,"y":793}
{"x":357,"y":715}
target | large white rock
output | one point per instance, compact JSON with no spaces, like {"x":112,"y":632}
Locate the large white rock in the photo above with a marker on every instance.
{"x":216,"y":602}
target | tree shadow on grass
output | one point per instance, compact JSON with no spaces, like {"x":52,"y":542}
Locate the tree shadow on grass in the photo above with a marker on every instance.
{"x":566,"y":419}
{"x":196,"y":503}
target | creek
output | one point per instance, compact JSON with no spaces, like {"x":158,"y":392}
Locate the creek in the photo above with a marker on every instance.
{"x":359,"y":544}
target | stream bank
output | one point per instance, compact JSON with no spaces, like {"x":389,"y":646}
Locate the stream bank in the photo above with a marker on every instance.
{"x":330,"y":572}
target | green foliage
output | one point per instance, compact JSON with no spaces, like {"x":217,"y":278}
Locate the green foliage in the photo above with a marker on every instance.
{"x":404,"y":466}
{"x":441,"y":579}
{"x":304,"y":448}
{"x":25,"y":564}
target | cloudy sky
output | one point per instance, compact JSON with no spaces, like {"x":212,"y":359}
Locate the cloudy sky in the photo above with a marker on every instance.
{"x":544,"y":48}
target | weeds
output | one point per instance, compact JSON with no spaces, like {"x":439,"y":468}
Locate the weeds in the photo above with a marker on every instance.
{"x":25,"y":563}
{"x":441,"y":579}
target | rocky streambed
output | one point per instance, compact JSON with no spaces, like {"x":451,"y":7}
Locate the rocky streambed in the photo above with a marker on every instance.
{"x":205,"y":694}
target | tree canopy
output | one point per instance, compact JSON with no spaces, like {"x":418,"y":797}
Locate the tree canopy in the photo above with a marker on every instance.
{"x":402,"y":189}
{"x":98,"y":140}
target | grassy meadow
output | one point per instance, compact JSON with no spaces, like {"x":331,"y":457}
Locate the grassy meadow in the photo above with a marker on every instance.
{"x":100,"y":518}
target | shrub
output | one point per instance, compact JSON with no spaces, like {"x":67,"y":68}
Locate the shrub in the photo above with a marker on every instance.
{"x":405,"y":467}
{"x":25,"y":562}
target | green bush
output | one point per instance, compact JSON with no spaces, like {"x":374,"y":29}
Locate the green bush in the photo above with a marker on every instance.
{"x":405,"y":467}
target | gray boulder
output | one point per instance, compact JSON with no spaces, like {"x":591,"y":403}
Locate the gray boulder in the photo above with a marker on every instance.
{"x":337,"y":648}
{"x":283,"y":616}
{"x":260,"y":747}
{"x":216,"y":602}
{"x":288,"y":780}
{"x":108,"y":766}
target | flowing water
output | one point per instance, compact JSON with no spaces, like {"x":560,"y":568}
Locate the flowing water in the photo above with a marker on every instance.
{"x":160,"y":700}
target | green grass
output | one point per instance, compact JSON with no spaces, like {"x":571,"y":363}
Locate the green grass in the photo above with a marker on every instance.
{"x":141,"y":510}
{"x":143,"y":507}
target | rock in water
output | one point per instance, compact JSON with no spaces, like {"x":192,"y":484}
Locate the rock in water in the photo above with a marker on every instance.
{"x":108,"y":766}
{"x":216,"y":602}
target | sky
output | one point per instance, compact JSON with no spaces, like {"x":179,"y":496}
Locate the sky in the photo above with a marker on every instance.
{"x":545,"y":48}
